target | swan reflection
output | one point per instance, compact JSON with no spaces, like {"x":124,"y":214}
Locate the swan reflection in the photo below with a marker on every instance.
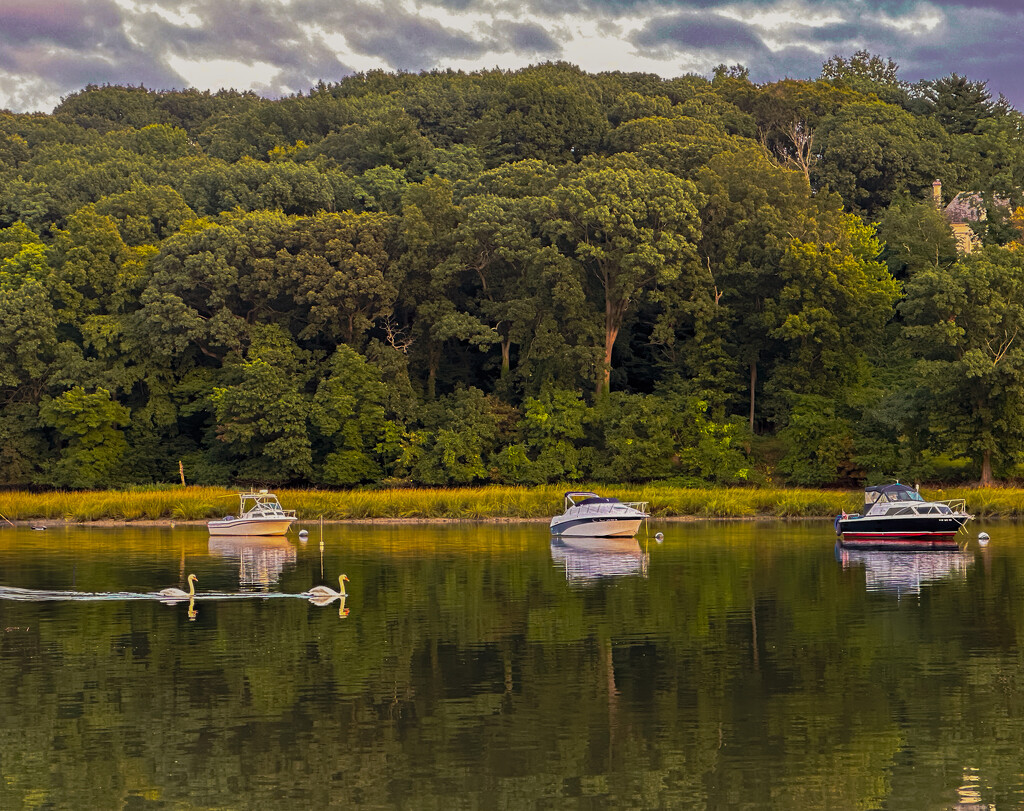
{"x":324,"y":600}
{"x":261,"y":559}
{"x":590,"y":559}
{"x":904,"y":572}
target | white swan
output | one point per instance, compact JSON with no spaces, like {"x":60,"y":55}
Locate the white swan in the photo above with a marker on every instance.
{"x":172,"y":592}
{"x":324,"y":591}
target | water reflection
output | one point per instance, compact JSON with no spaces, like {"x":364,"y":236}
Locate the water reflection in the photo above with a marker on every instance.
{"x":323,"y":600}
{"x":590,"y":559}
{"x":904,"y":572}
{"x":748,"y":670}
{"x":261,"y":560}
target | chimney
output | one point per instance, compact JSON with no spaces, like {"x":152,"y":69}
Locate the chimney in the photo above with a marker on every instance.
{"x":937,"y":193}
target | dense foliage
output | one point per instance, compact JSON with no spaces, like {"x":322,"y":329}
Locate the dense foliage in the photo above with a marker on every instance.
{"x":519,"y":278}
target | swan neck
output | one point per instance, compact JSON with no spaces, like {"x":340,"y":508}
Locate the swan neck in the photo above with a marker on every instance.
{"x":341,"y":585}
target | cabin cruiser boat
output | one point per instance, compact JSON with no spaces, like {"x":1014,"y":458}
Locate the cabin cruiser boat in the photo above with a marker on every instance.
{"x":588,"y":515}
{"x":896,"y":516}
{"x":259,"y":513}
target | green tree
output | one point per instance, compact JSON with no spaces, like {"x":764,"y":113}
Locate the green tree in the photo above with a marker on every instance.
{"x":462,"y":431}
{"x":549,"y":112}
{"x":552,"y":426}
{"x":341,"y":269}
{"x":348,"y":410}
{"x":633,"y":230}
{"x":866,"y":72}
{"x":91,"y":445}
{"x":915,"y":235}
{"x":262,"y":413}
{"x":834,"y":304}
{"x":957,"y":103}
{"x":964,"y":323}
{"x":872,"y":152}
{"x":818,"y":442}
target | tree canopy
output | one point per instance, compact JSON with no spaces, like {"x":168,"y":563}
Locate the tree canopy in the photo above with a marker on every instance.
{"x":512,"y":276}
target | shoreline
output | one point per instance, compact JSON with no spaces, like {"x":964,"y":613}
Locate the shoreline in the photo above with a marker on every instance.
{"x":55,"y":523}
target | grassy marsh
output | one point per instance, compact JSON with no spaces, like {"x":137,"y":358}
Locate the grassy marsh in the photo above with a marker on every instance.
{"x":492,"y":502}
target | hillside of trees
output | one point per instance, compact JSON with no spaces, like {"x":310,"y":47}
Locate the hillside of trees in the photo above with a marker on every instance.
{"x":519,"y":277}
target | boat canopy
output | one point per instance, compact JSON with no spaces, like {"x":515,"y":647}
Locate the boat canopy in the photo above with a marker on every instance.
{"x":890,"y":492}
{"x":580,"y":498}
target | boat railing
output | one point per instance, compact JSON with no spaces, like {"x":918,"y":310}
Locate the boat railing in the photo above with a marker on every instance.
{"x":590,"y":509}
{"x":957,"y":505}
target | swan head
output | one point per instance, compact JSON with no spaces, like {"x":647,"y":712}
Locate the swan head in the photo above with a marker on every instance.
{"x":192,"y":578}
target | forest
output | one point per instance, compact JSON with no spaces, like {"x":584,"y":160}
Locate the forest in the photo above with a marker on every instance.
{"x":516,"y":277}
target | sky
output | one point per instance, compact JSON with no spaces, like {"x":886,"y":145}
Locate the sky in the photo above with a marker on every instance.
{"x":50,"y":48}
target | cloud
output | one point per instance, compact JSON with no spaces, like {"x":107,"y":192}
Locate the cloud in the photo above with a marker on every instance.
{"x":405,"y":41}
{"x":49,"y":48}
{"x":528,"y":38}
{"x":708,"y":32}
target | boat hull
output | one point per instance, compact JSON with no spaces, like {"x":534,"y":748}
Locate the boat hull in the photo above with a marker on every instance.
{"x":597,"y":527}
{"x":250,"y":526}
{"x":901,"y":533}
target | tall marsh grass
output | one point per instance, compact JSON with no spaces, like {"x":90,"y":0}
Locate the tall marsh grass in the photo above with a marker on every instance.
{"x":201,"y":503}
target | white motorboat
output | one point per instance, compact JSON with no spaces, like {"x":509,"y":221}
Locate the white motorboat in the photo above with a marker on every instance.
{"x":588,"y":515}
{"x":259,"y":513}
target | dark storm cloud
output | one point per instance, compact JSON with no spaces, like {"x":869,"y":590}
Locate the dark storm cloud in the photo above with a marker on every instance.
{"x":52,"y":47}
{"x":527,"y":38}
{"x":407,"y":43}
{"x":706,"y":31}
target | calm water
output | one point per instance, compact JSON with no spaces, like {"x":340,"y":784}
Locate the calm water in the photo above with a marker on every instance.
{"x":735,"y":665}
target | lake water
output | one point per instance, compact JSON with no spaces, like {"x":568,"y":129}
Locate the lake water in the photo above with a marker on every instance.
{"x":735,"y":665}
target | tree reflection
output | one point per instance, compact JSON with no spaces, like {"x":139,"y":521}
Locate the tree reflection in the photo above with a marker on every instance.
{"x":746,"y":670}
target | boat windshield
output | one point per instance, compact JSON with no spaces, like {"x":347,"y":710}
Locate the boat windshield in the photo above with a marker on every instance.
{"x":890,"y":493}
{"x":259,"y":503}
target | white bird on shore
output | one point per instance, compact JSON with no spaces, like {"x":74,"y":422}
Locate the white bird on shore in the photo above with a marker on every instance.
{"x":324,"y":591}
{"x":173,"y":592}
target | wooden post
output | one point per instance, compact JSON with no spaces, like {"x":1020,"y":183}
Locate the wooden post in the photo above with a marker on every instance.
{"x":181,"y":470}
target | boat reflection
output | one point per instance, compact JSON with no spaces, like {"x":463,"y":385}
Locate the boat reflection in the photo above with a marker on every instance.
{"x":904,"y":572}
{"x":587,"y":560}
{"x":261,"y":559}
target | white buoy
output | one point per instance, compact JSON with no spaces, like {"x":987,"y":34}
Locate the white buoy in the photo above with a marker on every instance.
{"x":303,"y":534}
{"x":982,"y":538}
{"x":659,"y":537}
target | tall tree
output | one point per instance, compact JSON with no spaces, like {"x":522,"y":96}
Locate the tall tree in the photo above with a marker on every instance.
{"x":966,"y":324}
{"x":957,"y":103}
{"x":634,"y":230}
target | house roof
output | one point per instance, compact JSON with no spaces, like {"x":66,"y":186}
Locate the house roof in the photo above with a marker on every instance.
{"x":969,"y":206}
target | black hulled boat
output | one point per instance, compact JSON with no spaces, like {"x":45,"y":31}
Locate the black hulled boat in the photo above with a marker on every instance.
{"x":896,"y":516}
